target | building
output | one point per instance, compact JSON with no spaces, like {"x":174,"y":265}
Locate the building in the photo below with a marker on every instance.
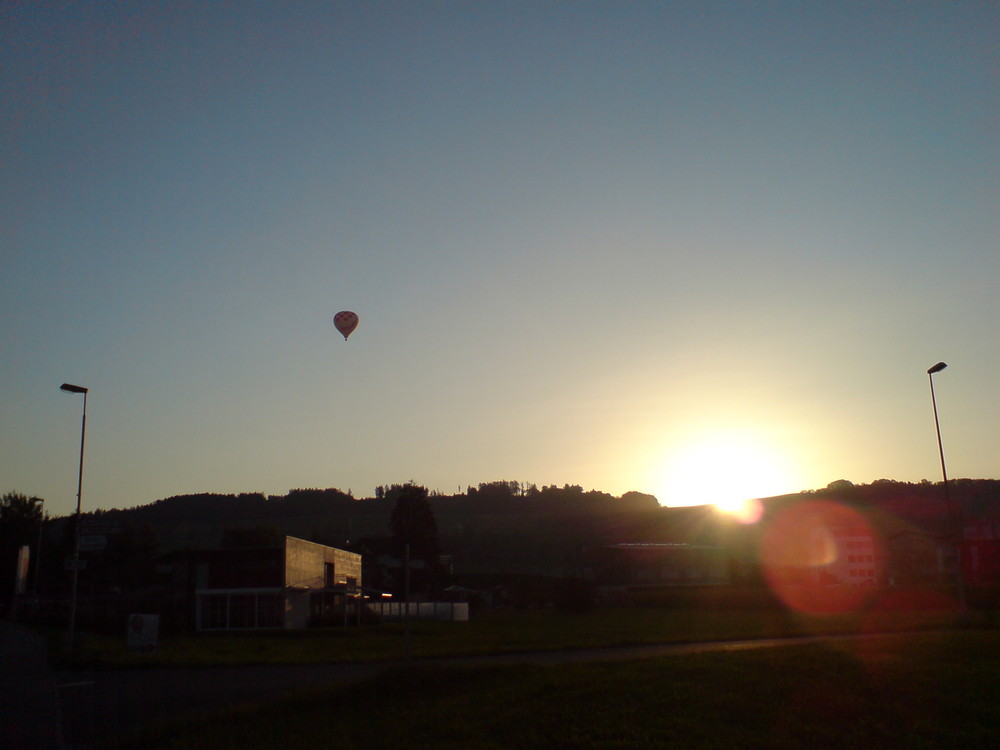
{"x":981,"y":553}
{"x":846,"y":556}
{"x":295,"y":585}
{"x":915,"y":557}
{"x":653,"y":565}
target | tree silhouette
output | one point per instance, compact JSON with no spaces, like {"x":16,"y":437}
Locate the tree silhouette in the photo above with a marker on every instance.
{"x":414,"y":530}
{"x":20,"y":521}
{"x":20,"y":515}
{"x":413,"y":523}
{"x":253,"y":536}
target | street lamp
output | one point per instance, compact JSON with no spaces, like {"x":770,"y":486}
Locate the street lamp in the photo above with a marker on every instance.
{"x":38,"y":546}
{"x":952,"y":529}
{"x":69,"y":388}
{"x":937,"y":426}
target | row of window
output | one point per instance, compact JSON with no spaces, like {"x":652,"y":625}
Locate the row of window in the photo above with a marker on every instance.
{"x":235,"y":611}
{"x":862,"y":573}
{"x":860,"y":558}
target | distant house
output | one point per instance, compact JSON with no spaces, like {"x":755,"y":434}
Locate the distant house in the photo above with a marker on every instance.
{"x":650,"y":565}
{"x":846,"y":556}
{"x":981,"y":553}
{"x":915,"y":557}
{"x":295,"y":585}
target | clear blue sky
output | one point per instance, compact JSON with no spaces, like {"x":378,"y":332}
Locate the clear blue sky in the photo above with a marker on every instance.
{"x":633,"y":246}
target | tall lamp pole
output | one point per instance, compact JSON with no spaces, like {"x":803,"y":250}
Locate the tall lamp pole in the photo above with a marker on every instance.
{"x":38,"y":546}
{"x":937,"y":426}
{"x":952,"y":528}
{"x":69,"y":388}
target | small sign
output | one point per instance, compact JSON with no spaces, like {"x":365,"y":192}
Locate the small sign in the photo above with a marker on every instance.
{"x":143,"y":632}
{"x":92,"y":526}
{"x":93,"y":543}
{"x":72,"y":564}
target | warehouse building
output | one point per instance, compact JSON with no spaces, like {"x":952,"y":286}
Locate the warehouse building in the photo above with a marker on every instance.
{"x":295,"y":585}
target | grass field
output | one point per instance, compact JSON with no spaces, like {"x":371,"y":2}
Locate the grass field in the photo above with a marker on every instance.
{"x":927,"y":690}
{"x":496,"y":632}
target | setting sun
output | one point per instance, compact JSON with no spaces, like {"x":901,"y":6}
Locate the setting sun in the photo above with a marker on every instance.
{"x":727,"y":469}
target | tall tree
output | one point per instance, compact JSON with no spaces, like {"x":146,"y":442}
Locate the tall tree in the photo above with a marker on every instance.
{"x":414,"y":527}
{"x":19,"y":512}
{"x":413,"y":523}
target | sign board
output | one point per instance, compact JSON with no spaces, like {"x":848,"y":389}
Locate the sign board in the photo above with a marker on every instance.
{"x":93,"y":543}
{"x":143,"y":632}
{"x":23,"y":558}
{"x":94,"y":526}
{"x":72,"y":564}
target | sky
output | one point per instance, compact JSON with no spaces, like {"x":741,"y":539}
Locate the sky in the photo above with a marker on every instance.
{"x":704,"y":250}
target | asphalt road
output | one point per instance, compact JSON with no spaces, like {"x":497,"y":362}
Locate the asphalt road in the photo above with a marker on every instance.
{"x":102,"y":705}
{"x":29,"y":703}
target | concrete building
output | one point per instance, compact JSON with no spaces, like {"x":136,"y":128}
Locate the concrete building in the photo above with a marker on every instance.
{"x":295,"y":585}
{"x":846,"y":556}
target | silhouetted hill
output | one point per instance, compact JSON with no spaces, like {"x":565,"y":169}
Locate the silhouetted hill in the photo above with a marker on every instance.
{"x":923,"y":503}
{"x":512,"y":527}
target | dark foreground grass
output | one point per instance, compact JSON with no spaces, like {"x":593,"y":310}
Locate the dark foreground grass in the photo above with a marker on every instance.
{"x":496,"y":632}
{"x":894,"y":691}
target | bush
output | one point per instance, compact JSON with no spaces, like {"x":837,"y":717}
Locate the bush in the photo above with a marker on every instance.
{"x":574,"y":595}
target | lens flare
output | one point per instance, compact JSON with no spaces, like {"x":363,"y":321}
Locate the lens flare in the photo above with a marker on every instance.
{"x":821,"y":557}
{"x":744,"y":511}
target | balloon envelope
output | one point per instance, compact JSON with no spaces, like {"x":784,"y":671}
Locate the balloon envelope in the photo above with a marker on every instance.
{"x":346,"y":321}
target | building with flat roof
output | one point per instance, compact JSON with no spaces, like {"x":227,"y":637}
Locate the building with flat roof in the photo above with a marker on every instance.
{"x":295,"y":585}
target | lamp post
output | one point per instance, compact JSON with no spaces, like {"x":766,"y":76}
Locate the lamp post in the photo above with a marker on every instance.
{"x":38,"y":546}
{"x":937,"y":426}
{"x":69,"y":388}
{"x":952,"y":530}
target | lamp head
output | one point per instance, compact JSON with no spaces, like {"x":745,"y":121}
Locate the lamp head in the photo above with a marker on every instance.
{"x":69,"y":388}
{"x":937,"y":368}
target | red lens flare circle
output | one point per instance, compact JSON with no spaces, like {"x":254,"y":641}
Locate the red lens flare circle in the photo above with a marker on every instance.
{"x":821,"y":557}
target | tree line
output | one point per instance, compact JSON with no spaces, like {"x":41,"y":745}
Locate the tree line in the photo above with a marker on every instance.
{"x":486,"y":527}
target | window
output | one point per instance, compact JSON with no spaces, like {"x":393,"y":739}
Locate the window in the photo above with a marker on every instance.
{"x":329,"y":575}
{"x":214,"y":612}
{"x":243,"y":611}
{"x":269,"y":610}
{"x":234,"y":611}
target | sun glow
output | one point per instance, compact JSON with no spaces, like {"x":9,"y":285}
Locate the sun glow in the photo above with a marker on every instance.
{"x":729,"y":470}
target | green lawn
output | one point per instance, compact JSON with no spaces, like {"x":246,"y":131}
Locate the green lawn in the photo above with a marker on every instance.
{"x":494,"y":632}
{"x":927,"y":690}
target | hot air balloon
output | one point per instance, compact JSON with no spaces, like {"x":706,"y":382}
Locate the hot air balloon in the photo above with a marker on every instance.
{"x":346,"y":321}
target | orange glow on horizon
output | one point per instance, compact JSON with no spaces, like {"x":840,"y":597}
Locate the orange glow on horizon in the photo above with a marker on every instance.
{"x":744,"y":511}
{"x":730,"y":469}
